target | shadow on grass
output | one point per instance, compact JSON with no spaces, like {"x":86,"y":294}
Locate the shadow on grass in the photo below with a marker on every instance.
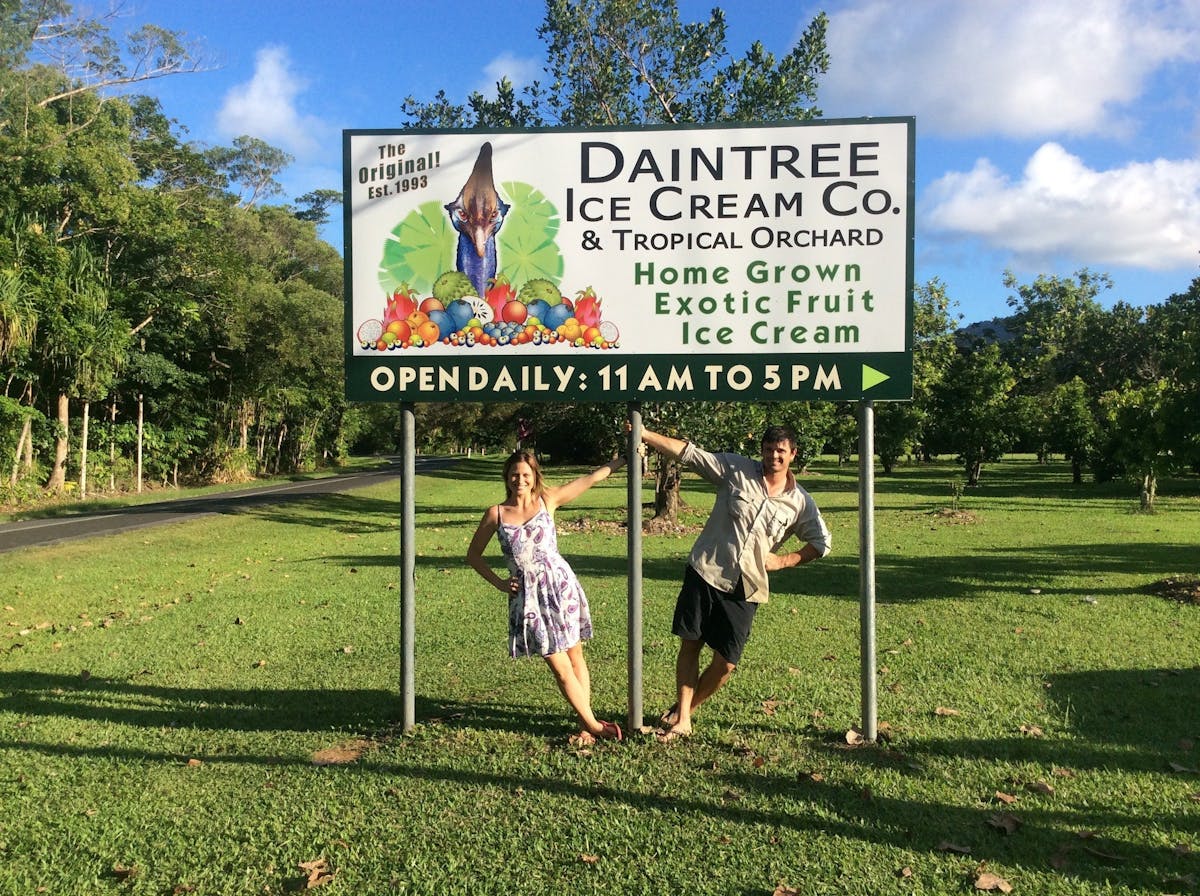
{"x":1124,"y":720}
{"x":121,"y":702}
{"x":902,"y":577}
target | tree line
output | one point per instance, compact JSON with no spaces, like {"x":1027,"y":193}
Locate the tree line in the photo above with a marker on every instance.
{"x":162,"y":319}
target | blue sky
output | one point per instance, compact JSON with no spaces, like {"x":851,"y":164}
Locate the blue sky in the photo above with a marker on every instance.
{"x":1051,"y":135}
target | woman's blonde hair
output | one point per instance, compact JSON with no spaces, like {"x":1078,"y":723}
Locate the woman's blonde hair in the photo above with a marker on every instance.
{"x":530,"y":458}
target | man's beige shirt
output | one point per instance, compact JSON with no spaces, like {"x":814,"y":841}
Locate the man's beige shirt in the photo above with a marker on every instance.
{"x":746,"y":523}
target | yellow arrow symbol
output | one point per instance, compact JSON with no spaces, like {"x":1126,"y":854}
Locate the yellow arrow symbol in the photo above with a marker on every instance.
{"x":872,"y":377}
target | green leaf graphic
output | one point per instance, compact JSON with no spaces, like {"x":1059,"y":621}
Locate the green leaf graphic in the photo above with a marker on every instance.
{"x":420,"y":248}
{"x":526,"y":244}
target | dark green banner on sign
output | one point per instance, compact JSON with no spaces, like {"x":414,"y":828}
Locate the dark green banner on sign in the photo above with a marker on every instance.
{"x":598,"y":377}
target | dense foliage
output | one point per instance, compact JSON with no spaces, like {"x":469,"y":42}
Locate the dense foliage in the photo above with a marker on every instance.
{"x":150,"y":309}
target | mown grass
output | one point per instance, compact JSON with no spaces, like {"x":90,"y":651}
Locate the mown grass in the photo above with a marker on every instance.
{"x":169,"y":699}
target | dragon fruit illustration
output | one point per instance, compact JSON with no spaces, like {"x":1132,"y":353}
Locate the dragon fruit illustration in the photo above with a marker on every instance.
{"x":587,"y":308}
{"x":402,"y":303}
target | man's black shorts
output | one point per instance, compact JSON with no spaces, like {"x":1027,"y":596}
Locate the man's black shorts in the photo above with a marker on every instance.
{"x":720,"y":619}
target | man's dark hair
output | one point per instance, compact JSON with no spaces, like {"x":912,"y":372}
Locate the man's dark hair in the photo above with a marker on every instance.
{"x":776,"y":434}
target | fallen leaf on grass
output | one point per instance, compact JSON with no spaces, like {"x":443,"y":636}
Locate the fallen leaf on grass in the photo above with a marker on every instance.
{"x":1061,"y":859}
{"x":588,"y":859}
{"x":989,"y":881}
{"x":854,"y":737}
{"x":1103,"y":856}
{"x":904,"y":872}
{"x":342,"y":754}
{"x":1040,"y":787}
{"x":769,"y":706}
{"x":124,"y":872}
{"x":1005,"y":821}
{"x":195,"y":763}
{"x":1182,"y":769}
{"x":1062,"y":773}
{"x":1032,"y":731}
{"x":1007,"y":798}
{"x":785,"y":890}
{"x":945,"y":711}
{"x":318,"y":871}
{"x":953,"y":847}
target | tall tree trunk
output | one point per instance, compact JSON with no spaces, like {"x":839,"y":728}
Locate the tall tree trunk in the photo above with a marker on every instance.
{"x":974,"y":468}
{"x":666,"y":491}
{"x":1149,"y":490}
{"x":141,"y":422}
{"x":1076,"y":472}
{"x":83,"y":449}
{"x":23,"y":450}
{"x":62,"y":442}
{"x":279,"y":447}
{"x":112,"y":447}
{"x":244,"y":413}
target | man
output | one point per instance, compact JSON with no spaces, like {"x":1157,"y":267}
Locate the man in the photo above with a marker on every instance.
{"x":758,"y":506}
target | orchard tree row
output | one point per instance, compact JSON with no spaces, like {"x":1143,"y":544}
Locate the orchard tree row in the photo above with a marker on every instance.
{"x":1116,"y":391}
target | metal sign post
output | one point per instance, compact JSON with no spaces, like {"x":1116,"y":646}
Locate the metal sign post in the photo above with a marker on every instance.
{"x":408,"y":554}
{"x":866,"y":565}
{"x":633,"y":469}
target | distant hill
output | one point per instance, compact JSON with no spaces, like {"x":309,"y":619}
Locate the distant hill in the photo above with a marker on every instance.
{"x":998,"y":329}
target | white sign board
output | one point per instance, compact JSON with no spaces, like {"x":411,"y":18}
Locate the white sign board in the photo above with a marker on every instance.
{"x":764,"y":262}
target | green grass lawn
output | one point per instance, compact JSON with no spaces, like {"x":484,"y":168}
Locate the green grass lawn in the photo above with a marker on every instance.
{"x":203,"y":707}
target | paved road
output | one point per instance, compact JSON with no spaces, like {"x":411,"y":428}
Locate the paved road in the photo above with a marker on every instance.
{"x":30,"y":533}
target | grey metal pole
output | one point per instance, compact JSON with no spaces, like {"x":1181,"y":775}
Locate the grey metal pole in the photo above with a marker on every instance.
{"x":633,"y":469}
{"x":866,"y":566}
{"x":408,"y":553}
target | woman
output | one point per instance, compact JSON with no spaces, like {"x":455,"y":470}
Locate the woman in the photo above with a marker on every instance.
{"x":547,"y":609}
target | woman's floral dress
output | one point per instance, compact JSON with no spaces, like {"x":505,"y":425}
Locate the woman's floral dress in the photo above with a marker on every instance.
{"x":550,"y":611}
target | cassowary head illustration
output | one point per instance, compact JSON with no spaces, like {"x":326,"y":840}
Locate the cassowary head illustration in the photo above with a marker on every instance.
{"x":477,"y":214}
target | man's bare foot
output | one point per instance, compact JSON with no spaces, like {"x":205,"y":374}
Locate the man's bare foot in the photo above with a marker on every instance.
{"x":673,"y":733}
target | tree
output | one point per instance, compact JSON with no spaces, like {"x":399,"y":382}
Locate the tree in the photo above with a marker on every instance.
{"x":902,"y":426}
{"x":1053,"y":317}
{"x":253,"y":165}
{"x":1137,"y":428}
{"x":314,"y":205}
{"x":971,"y":409}
{"x":1072,"y":425}
{"x":627,"y":62}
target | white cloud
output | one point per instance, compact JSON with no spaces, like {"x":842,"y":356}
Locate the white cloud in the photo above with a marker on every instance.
{"x":1145,"y":214}
{"x":265,"y":106}
{"x":520,"y":71}
{"x":1004,"y":67}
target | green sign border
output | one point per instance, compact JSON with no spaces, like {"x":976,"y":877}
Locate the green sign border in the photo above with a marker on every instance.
{"x":587,"y":375}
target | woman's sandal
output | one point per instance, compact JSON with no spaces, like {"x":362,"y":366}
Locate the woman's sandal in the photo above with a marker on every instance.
{"x":612,"y":731}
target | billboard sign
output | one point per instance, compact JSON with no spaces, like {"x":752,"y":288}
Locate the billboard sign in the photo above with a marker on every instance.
{"x":661,"y":264}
